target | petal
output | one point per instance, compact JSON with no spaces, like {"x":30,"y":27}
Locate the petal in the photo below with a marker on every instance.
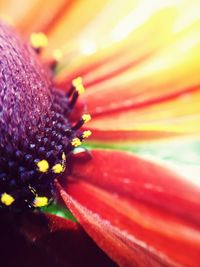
{"x":24,"y":17}
{"x":70,"y":24}
{"x":164,"y":117}
{"x":47,"y":16}
{"x":38,"y":240}
{"x":138,"y":211}
{"x":137,"y":76}
{"x":104,"y":31}
{"x":153,"y":99}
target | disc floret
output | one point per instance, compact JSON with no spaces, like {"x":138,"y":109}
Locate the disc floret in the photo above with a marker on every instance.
{"x":36,"y":134}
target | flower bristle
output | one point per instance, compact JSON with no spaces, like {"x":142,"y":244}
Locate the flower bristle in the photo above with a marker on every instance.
{"x":36,"y":135}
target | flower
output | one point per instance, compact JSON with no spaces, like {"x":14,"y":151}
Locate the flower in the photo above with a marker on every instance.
{"x":141,"y":74}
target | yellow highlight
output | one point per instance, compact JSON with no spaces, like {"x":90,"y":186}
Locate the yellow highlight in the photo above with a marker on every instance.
{"x":58,"y":168}
{"x":76,"y":82}
{"x":76,"y":142}
{"x":86,"y":134}
{"x":39,"y":40}
{"x":43,"y":165}
{"x":7,"y":19}
{"x":7,"y":199}
{"x":86,"y":117}
{"x":57,"y":54}
{"x":40,"y":202}
{"x":32,"y":189}
{"x":63,"y":156}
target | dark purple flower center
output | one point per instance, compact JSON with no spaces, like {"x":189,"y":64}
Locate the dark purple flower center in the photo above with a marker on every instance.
{"x":36,"y":135}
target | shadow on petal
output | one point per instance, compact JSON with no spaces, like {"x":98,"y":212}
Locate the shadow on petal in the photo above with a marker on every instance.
{"x":47,"y":240}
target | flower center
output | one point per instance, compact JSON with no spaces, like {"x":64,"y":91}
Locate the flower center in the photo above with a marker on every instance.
{"x":36,"y":135}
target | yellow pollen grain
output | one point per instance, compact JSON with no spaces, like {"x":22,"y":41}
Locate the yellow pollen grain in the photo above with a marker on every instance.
{"x":86,"y":134}
{"x":76,"y":142}
{"x":58,"y":168}
{"x":38,"y":40}
{"x":40,"y":202}
{"x":7,"y":199}
{"x":86,"y":118}
{"x":76,"y":82}
{"x":43,"y":165}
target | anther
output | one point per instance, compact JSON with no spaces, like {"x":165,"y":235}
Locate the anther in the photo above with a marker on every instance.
{"x":7,"y":199}
{"x":76,"y":82}
{"x":80,"y":89}
{"x":78,"y":85}
{"x":38,"y":41}
{"x":40,"y":202}
{"x":86,"y":134}
{"x":84,"y":119}
{"x":58,"y":168}
{"x":76,"y":89}
{"x":76,"y":142}
{"x":43,"y":165}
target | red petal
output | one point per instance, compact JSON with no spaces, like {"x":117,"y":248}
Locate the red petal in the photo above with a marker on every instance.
{"x":163,"y":119}
{"x":137,"y":211}
{"x":38,"y":240}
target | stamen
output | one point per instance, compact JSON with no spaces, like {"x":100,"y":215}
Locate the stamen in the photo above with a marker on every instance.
{"x":38,"y":40}
{"x":71,"y":91}
{"x":78,"y":85}
{"x":73,"y":100}
{"x":43,"y":165}
{"x":76,"y":82}
{"x":86,"y":134}
{"x":7,"y":199}
{"x":84,"y":119}
{"x":76,"y":89}
{"x":80,"y":89}
{"x":58,"y":168}
{"x":76,"y":142}
{"x":40,"y":202}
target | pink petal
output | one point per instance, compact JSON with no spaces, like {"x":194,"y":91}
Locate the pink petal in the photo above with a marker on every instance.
{"x":137,"y":211}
